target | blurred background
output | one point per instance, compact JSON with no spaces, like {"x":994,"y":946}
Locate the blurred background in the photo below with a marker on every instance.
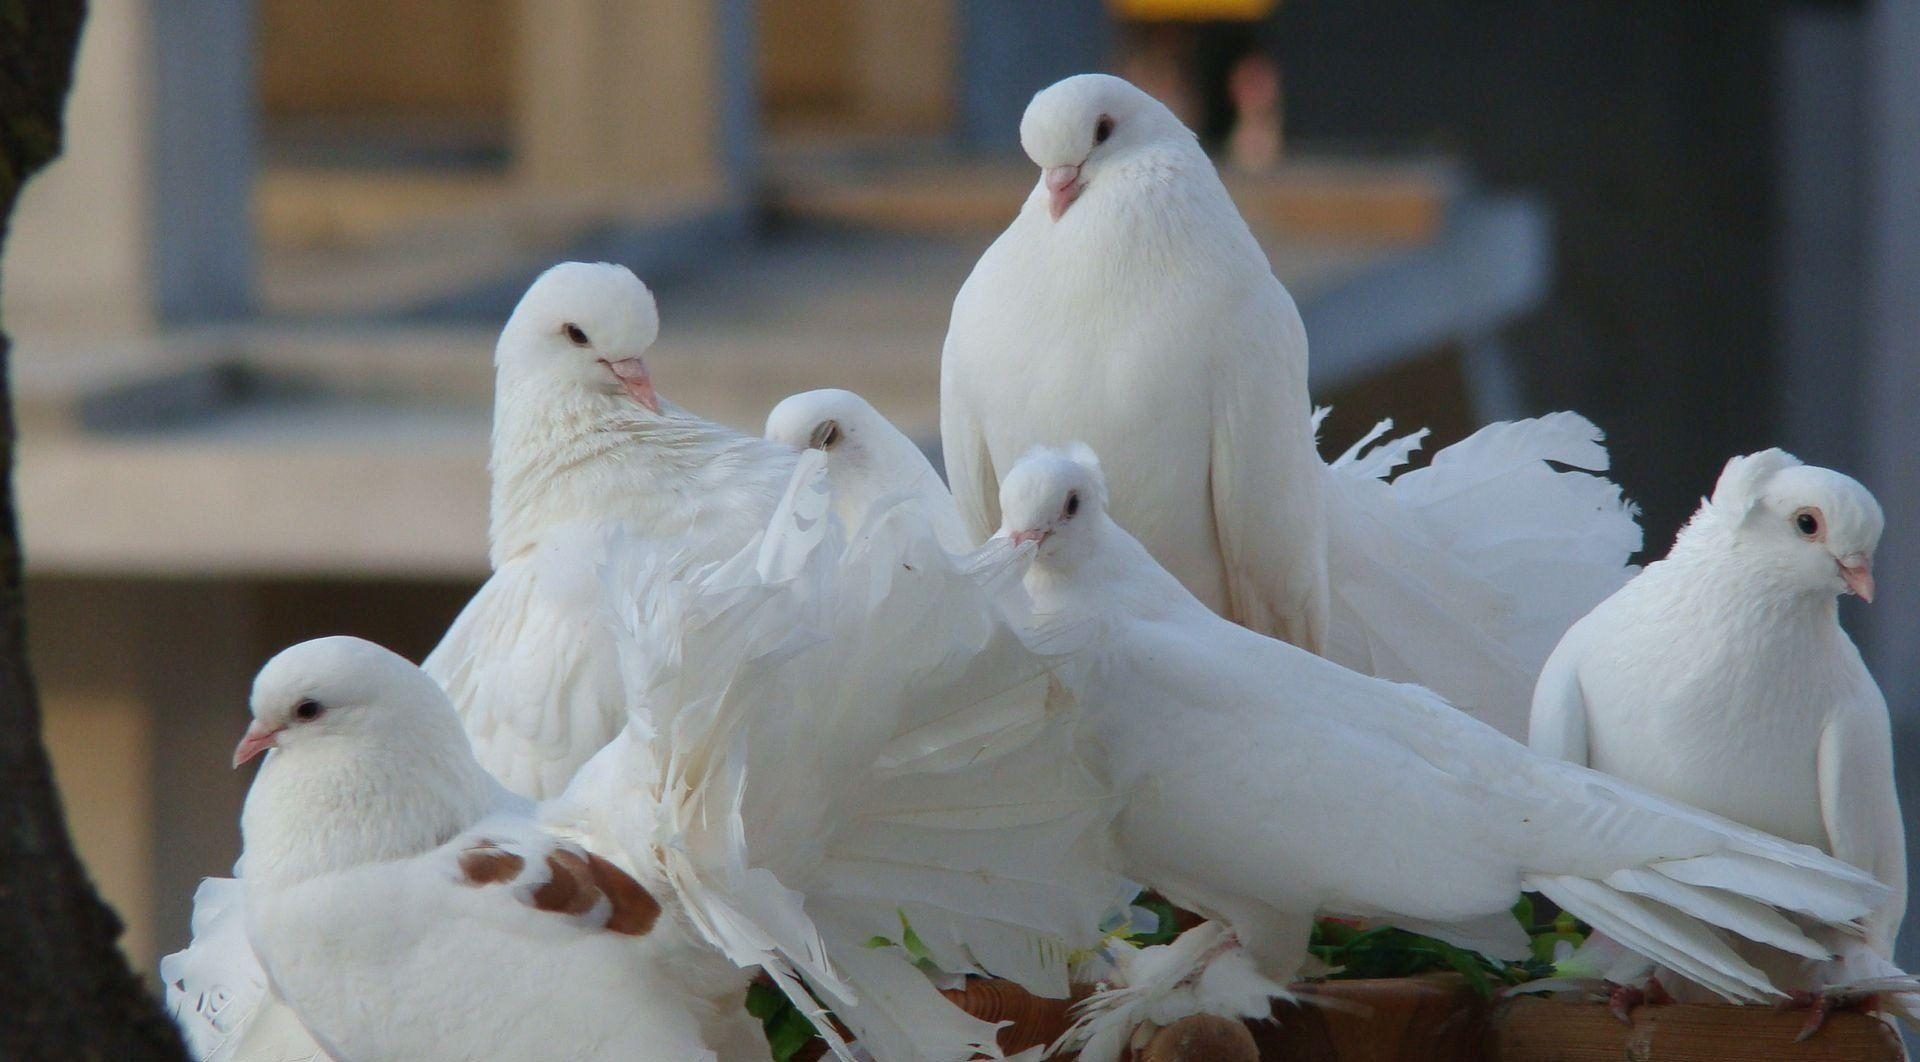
{"x":255,"y":302}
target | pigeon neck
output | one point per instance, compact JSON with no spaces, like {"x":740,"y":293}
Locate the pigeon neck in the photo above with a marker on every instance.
{"x":1110,"y":573}
{"x":331,"y":808}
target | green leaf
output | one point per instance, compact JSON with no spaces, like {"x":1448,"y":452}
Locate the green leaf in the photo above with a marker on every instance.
{"x":787,"y":1029}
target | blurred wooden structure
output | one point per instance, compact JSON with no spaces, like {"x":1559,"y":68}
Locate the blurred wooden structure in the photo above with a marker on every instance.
{"x":1438,"y":1018}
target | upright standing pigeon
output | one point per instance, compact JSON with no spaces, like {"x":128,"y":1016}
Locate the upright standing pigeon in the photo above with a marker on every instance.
{"x":868,"y":460}
{"x":588,"y":463}
{"x":1128,"y":306}
{"x":1720,"y":676}
{"x":406,"y":906}
{"x":1359,"y":780}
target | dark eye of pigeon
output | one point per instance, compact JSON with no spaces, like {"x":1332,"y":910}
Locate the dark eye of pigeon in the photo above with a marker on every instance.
{"x":575,"y":334}
{"x":308,"y":710}
{"x":1807,"y":522}
{"x":1073,"y":502}
{"x":1102,"y":129}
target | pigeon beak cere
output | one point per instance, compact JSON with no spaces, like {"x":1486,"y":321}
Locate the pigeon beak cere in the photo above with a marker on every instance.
{"x":1063,"y":187}
{"x":632,"y":376}
{"x":259,"y":738}
{"x":1857,"y":570}
{"x":1035,"y":536}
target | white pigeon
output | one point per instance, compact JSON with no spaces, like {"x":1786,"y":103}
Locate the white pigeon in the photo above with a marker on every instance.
{"x":1720,"y":676}
{"x":1128,"y":306}
{"x":407,"y":906}
{"x":588,"y":464}
{"x":868,"y":460}
{"x":1378,"y":800}
{"x":851,"y":744}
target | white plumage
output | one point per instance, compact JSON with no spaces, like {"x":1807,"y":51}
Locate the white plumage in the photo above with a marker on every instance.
{"x":1377,"y":800}
{"x":587,"y":464}
{"x":218,"y":995}
{"x":850,"y":740}
{"x":1129,"y":307}
{"x":1721,"y":676}
{"x":1144,"y":320}
{"x":869,"y":461}
{"x":1459,"y":576}
{"x":406,"y":906}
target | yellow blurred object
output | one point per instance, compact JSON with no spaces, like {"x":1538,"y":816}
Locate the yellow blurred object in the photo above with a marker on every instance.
{"x":1193,"y":10}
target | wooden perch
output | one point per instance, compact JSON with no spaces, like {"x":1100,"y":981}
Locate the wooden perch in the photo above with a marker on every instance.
{"x":1437,"y":1018}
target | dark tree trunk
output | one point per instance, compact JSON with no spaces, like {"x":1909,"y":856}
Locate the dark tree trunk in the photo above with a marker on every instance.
{"x":70,"y":994}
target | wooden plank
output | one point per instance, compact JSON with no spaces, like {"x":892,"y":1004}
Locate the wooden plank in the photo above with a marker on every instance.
{"x":1542,"y":1030}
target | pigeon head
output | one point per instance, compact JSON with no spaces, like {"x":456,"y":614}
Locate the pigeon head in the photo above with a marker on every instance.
{"x":585,"y":324}
{"x":369,"y":762}
{"x":828,"y":419}
{"x":1054,"y":499}
{"x":1814,"y":527}
{"x":340,"y":691}
{"x":1078,"y":128}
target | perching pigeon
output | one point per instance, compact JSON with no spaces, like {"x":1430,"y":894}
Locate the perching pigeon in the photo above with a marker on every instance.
{"x":1129,"y":306}
{"x":406,"y":906}
{"x":1721,"y":677}
{"x":852,"y":763}
{"x":588,"y":464}
{"x":1377,"y":800}
{"x":868,"y":460}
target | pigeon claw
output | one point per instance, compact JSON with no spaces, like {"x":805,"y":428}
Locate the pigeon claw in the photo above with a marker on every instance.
{"x":1822,"y":1005}
{"x":1623,"y":998}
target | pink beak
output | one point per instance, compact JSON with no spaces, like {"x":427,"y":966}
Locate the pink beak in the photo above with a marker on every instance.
{"x":259,"y":738}
{"x":632,"y":374}
{"x":1036,"y":536}
{"x":1857,"y":570}
{"x":1063,"y":187}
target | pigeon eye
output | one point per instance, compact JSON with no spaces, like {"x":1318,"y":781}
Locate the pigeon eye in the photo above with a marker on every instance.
{"x":1808,"y":522}
{"x":575,"y":334}
{"x":826,"y":435}
{"x":308,"y":710}
{"x":1073,"y":502}
{"x":1102,"y":129}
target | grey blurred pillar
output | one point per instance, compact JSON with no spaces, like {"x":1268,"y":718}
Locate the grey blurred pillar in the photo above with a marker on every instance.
{"x":203,"y":159}
{"x":1890,"y":330}
{"x":1849,"y":315}
{"x":1011,"y":49}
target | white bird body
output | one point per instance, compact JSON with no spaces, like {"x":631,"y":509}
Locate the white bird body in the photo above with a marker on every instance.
{"x":1129,"y":307}
{"x":1721,"y":677}
{"x":1360,"y":779}
{"x":870,"y":462}
{"x":219,"y":996}
{"x":404,"y":905}
{"x":588,"y":465}
{"x":1146,"y":322}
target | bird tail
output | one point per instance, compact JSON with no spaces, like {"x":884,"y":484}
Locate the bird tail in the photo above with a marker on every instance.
{"x":866,"y":775}
{"x":1462,"y":576}
{"x":218,"y":994}
{"x":1677,"y":912}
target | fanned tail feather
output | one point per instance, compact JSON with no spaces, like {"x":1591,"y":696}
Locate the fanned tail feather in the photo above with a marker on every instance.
{"x":861,"y":769}
{"x":1461,"y":576}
